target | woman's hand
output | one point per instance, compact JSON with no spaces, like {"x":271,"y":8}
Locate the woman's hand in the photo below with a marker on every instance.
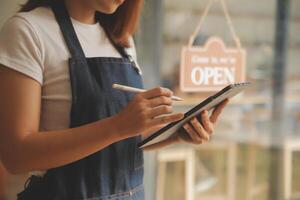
{"x":199,"y":129}
{"x":144,"y":113}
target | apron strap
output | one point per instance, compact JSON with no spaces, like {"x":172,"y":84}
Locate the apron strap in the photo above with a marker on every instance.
{"x":67,"y":29}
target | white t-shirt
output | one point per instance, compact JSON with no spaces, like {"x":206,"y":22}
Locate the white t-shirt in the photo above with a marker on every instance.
{"x":32,"y":43}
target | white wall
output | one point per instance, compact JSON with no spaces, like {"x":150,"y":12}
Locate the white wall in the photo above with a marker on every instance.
{"x":8,"y":8}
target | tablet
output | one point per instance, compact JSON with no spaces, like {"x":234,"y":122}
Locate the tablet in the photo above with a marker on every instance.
{"x":209,"y":103}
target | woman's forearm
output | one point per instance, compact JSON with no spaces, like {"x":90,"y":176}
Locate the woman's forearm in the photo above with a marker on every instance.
{"x":44,"y":150}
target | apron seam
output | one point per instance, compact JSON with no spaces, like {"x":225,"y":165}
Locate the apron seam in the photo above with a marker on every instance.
{"x":118,"y":195}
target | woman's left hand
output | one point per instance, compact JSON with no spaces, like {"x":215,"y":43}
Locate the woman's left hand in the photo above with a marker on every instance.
{"x":199,"y":129}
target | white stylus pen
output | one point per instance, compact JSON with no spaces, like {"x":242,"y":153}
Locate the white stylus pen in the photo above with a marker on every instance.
{"x":137,"y":90}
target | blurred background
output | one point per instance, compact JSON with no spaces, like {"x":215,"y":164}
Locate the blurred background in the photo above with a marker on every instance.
{"x":255,"y":151}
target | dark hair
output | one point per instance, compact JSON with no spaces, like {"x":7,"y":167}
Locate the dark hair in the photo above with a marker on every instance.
{"x":119,"y":26}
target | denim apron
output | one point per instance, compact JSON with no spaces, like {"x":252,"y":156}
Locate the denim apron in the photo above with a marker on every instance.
{"x":115,"y":172}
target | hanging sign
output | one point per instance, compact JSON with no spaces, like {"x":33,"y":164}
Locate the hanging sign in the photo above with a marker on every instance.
{"x":212,"y":66}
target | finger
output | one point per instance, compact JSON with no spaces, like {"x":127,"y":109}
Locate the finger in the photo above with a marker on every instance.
{"x":218,"y":110}
{"x":167,"y":119}
{"x":199,"y":129}
{"x":192,"y":133}
{"x":156,"y":92}
{"x":152,"y":130}
{"x":207,"y":124}
{"x":160,"y":110}
{"x":162,"y":100}
{"x":183,"y":135}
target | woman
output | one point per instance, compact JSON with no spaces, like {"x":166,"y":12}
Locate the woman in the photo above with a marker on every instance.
{"x":59,"y":114}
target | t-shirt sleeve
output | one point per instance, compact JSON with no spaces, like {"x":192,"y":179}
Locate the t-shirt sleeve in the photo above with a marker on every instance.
{"x":20,"y":48}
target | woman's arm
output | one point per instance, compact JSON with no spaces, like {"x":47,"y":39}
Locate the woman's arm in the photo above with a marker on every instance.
{"x":23,"y":148}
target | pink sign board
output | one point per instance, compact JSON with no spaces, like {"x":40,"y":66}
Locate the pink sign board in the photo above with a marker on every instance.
{"x":212,"y":67}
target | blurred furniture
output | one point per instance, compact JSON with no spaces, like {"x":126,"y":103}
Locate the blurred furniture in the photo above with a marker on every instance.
{"x":173,"y":155}
{"x":289,"y":147}
{"x":231,"y":159}
{"x":253,"y":188}
{"x":256,"y":122}
{"x":187,"y":154}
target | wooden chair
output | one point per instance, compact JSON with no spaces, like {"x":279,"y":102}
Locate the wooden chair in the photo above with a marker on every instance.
{"x":187,"y":154}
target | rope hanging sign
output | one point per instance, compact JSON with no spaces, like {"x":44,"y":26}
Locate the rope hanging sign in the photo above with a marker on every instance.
{"x":212,"y":66}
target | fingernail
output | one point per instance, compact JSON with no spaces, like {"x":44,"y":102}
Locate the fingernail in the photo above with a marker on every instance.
{"x":170,"y":91}
{"x":185,"y":126}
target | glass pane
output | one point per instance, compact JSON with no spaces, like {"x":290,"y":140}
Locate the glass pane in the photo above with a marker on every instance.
{"x":239,"y":154}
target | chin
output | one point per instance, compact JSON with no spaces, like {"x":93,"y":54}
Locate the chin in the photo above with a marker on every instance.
{"x":111,"y":7}
{"x":110,"y":10}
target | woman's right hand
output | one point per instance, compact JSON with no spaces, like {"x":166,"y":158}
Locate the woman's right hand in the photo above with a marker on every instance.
{"x":143,"y":114}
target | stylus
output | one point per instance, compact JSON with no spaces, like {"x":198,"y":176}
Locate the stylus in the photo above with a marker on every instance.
{"x":137,"y":90}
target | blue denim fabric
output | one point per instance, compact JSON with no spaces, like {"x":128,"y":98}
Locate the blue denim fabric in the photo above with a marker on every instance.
{"x":116,"y":172}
